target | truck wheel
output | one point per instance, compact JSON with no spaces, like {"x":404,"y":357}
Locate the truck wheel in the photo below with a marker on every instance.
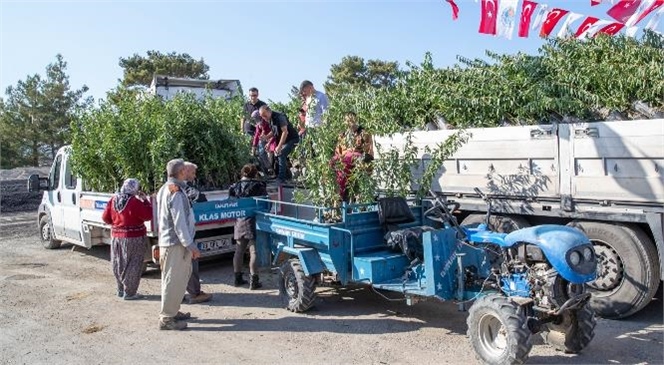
{"x":497,"y":223}
{"x":573,"y":332}
{"x":297,"y":290}
{"x":46,"y":233}
{"x":498,"y":332}
{"x":627,"y":268}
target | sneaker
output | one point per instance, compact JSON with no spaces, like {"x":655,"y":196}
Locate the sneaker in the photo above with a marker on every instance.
{"x":172,"y":324}
{"x":120,"y":293}
{"x":182,"y":316}
{"x":200,"y":298}
{"x":133,"y":297}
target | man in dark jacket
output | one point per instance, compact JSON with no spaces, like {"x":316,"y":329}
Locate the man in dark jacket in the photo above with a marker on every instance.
{"x":286,"y":137}
{"x":245,"y":228}
{"x":247,"y":125}
{"x":196,"y":295}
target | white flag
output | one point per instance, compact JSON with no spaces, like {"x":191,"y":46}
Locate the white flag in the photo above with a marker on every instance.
{"x":541,"y":15}
{"x":643,"y":6}
{"x":594,"y":28}
{"x":631,"y":31}
{"x":654,"y":20}
{"x":506,"y":18}
{"x":565,"y":28}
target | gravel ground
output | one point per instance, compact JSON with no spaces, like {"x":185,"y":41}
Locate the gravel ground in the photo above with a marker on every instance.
{"x":14,"y":196}
{"x":58,"y":306}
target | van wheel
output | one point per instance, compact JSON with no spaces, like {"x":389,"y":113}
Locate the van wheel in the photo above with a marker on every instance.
{"x":627,"y":268}
{"x":46,"y":233}
{"x":497,"y":223}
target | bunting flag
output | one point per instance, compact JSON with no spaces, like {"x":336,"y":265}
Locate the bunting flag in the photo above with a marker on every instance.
{"x":623,"y":10}
{"x":611,"y":29}
{"x":488,"y":19}
{"x":565,"y":29}
{"x":552,"y":18}
{"x":646,"y":7}
{"x":541,"y":14}
{"x":527,"y":9}
{"x":585,"y":26}
{"x":654,"y":20}
{"x":631,"y":31}
{"x":595,"y":2}
{"x":506,"y":18}
{"x":455,"y":9}
{"x":593,"y":29}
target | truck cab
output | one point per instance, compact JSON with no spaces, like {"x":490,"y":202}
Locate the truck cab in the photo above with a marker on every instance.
{"x":59,"y":212}
{"x":70,"y":213}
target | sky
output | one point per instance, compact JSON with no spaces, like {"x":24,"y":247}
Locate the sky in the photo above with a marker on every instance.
{"x":271,"y":45}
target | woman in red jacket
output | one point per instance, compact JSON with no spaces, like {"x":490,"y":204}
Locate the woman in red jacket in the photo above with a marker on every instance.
{"x":126,"y":212}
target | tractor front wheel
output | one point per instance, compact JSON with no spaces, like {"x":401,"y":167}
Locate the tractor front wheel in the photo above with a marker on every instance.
{"x":497,"y":331}
{"x":297,"y":290}
{"x":573,"y":332}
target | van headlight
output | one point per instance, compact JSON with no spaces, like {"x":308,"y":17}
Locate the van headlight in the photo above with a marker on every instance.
{"x":587,"y":254}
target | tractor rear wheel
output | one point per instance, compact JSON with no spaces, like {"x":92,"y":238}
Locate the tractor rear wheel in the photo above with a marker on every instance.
{"x":297,"y":290}
{"x":573,"y":332}
{"x":498,"y":331}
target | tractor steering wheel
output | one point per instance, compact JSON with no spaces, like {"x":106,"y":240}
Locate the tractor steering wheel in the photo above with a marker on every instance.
{"x":441,"y":211}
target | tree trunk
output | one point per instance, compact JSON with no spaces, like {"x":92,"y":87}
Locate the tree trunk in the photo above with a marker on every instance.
{"x":35,"y":154}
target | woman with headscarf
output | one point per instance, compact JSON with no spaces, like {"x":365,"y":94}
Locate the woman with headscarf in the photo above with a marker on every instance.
{"x":126,"y":212}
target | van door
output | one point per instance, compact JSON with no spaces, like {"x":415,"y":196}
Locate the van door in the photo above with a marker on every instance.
{"x":55,"y":196}
{"x":71,"y":211}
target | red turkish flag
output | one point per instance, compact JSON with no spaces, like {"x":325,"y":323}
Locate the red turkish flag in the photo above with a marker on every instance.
{"x":552,"y":18}
{"x":611,"y":29}
{"x":623,"y":10}
{"x":455,"y":9}
{"x":595,"y":2}
{"x":585,"y":25}
{"x":488,"y":20}
{"x":527,"y":10}
{"x":654,"y":6}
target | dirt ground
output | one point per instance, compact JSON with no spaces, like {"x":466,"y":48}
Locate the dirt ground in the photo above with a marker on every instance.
{"x":59,"y":306}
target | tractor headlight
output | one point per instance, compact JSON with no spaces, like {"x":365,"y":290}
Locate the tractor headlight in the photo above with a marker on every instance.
{"x":587,"y":254}
{"x":574,"y":258}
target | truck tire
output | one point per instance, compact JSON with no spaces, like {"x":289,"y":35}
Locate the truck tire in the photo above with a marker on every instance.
{"x":498,"y":223}
{"x":297,"y":291}
{"x":573,"y":332}
{"x":627,"y":268}
{"x":46,"y":233}
{"x":498,"y":332}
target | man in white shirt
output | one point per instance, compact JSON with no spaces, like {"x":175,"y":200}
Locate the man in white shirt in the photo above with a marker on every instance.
{"x":315,"y":102}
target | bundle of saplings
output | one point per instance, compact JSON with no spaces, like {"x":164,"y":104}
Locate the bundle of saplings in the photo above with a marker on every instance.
{"x":135,"y":135}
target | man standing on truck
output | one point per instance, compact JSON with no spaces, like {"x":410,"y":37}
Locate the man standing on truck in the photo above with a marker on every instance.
{"x":315,"y":104}
{"x":286,"y":138}
{"x":254,"y":103}
{"x":196,"y":295}
{"x":176,"y":245}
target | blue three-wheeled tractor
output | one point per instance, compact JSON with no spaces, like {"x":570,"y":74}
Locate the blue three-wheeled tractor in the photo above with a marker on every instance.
{"x":523,"y":283}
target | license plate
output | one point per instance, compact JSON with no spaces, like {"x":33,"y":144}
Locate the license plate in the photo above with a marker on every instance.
{"x":215,"y":244}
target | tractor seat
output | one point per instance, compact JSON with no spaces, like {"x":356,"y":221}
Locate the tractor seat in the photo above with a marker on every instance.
{"x":392,"y":212}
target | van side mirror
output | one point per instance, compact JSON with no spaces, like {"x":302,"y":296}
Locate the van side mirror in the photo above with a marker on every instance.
{"x":36,"y":183}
